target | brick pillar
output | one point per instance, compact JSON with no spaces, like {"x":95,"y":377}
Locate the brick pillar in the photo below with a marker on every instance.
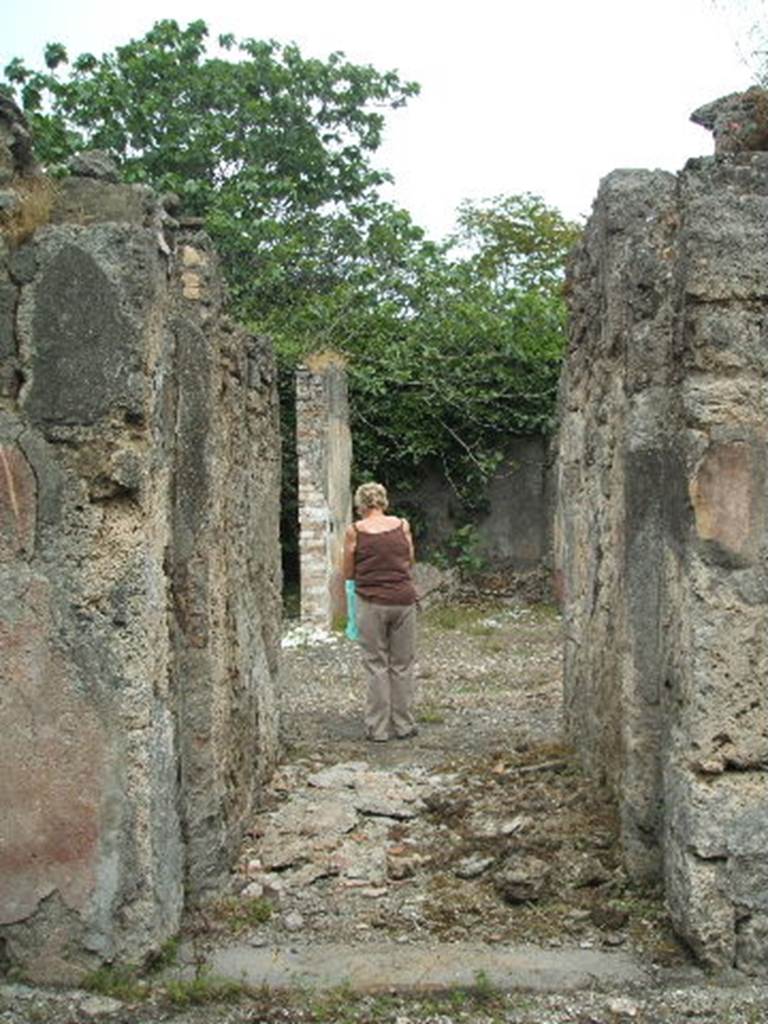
{"x":324,"y":451}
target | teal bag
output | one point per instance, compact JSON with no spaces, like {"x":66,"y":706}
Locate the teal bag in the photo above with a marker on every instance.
{"x":351,"y":630}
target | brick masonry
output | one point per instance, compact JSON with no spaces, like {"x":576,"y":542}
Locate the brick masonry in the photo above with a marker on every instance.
{"x":324,"y":450}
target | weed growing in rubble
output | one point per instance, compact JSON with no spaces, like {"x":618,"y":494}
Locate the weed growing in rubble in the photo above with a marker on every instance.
{"x":483,"y":988}
{"x":239,"y":913}
{"x":429,"y":714}
{"x":202,"y":989}
{"x":165,"y":957}
{"x":118,"y":981}
{"x":342,"y":1005}
{"x":458,"y":616}
{"x":543,"y":612}
{"x":337,"y":1004}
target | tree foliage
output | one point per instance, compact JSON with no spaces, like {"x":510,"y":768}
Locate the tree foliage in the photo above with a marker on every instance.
{"x":472,"y":355}
{"x":517,"y":241}
{"x":273,"y":148}
{"x":452,"y":347}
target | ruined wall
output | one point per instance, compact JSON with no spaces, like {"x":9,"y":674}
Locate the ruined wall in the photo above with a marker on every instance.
{"x":139,"y":579}
{"x":515,"y":527}
{"x":662,"y":532}
{"x":324,"y":455}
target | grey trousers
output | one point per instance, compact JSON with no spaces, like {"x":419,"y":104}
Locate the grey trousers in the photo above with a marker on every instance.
{"x":388,"y":642}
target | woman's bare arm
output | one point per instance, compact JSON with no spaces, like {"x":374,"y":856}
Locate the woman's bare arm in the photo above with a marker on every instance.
{"x":409,"y":538}
{"x":350,"y":543}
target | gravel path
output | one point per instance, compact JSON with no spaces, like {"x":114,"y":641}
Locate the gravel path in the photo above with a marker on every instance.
{"x":488,"y":679}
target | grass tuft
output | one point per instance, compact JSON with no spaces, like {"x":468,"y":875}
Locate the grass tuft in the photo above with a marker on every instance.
{"x":36,"y":197}
{"x":483,"y":991}
{"x":164,"y":957}
{"x":118,"y":981}
{"x":429,"y":714}
{"x":459,"y":616}
{"x":203,"y":989}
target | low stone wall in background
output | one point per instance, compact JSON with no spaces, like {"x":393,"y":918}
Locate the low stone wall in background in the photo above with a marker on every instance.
{"x":514,"y":528}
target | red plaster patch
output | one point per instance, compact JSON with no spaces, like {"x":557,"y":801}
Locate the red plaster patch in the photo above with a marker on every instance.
{"x":18,"y":504}
{"x":723,"y":496}
{"x":53,"y":768}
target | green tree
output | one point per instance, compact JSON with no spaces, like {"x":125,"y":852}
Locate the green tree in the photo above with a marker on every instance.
{"x":452,"y":347}
{"x":467,"y":351}
{"x":273,"y":148}
{"x":517,"y":241}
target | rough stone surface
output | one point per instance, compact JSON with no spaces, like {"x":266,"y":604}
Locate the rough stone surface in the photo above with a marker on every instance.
{"x":739,"y":122}
{"x":522,"y":879}
{"x":661,"y":531}
{"x":16,"y":155}
{"x":513,"y":531}
{"x":94,"y":163}
{"x":139,"y":582}
{"x":92,"y":201}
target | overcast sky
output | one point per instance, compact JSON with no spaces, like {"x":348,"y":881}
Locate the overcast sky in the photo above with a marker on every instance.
{"x":544,"y":96}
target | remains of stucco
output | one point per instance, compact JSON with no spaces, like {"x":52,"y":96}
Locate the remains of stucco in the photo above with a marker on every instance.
{"x":662,"y":534}
{"x":324,"y":454}
{"x":139,"y":577}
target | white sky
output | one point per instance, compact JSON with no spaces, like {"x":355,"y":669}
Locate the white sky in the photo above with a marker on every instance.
{"x":545,"y":96}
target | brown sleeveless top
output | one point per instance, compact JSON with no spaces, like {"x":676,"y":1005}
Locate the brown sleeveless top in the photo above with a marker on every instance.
{"x":383,"y":567}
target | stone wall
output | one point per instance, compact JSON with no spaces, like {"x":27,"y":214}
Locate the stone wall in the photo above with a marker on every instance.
{"x":324,"y":455}
{"x":662,"y":535}
{"x":515,"y":528}
{"x":139,"y":577}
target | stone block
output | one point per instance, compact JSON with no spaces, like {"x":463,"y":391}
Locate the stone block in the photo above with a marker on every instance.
{"x":717,"y":865}
{"x":49,"y":835}
{"x":86,"y":202}
{"x":85,"y":358}
{"x":725,"y":247}
{"x":8,"y":298}
{"x":94,"y":163}
{"x":751,"y":941}
{"x":191,"y":257}
{"x":721,"y":340}
{"x":727,"y":497}
{"x":192,"y":285}
{"x":18,"y":504}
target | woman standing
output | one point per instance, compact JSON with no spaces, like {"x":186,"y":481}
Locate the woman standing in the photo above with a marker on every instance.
{"x":378,"y":555}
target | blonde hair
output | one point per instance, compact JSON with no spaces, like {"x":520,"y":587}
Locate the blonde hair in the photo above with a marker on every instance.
{"x":371,"y":496}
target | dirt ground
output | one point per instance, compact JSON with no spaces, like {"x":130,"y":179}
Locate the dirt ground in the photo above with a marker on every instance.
{"x":503,"y":790}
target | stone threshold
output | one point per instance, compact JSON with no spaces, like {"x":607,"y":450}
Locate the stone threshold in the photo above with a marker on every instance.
{"x":414,"y":968}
